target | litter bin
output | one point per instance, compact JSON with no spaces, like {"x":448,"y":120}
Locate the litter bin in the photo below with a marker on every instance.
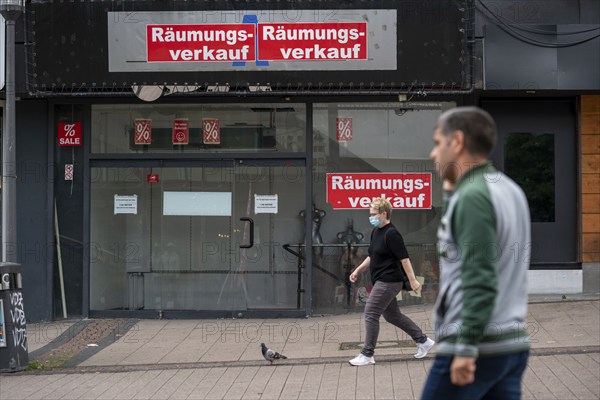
{"x":13,"y":330}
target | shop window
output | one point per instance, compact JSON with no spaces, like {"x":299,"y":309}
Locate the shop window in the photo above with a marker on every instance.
{"x":205,"y":128}
{"x":373,"y":138}
{"x":529,"y":161}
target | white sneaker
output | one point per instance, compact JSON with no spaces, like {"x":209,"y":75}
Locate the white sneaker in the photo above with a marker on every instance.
{"x":423,"y":348}
{"x":361,"y":359}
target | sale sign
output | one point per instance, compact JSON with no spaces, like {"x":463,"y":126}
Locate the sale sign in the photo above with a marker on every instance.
{"x":343,"y":129}
{"x":181,"y":131}
{"x":212,"y":131}
{"x":200,"y":42}
{"x":357,"y":190}
{"x":69,"y":134}
{"x":312,"y":41}
{"x":142,"y":130}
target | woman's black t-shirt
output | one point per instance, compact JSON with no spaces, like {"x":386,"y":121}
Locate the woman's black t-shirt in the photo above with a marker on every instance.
{"x":384,"y":266}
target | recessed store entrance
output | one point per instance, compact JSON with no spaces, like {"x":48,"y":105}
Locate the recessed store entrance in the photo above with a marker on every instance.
{"x":196,"y":235}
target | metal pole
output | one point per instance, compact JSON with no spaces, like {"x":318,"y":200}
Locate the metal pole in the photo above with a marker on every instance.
{"x":9,"y":165}
{"x":14,"y":354}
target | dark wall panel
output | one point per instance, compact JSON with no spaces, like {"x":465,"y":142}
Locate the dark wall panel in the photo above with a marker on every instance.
{"x":33,"y":173}
{"x":70,"y":47}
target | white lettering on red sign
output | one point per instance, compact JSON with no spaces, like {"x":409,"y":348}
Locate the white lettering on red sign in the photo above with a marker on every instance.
{"x":69,"y":134}
{"x":343,"y":130}
{"x":323,"y":41}
{"x":357,"y":190}
{"x":181,"y":131}
{"x":313,"y":41}
{"x":212,"y":130}
{"x":142,"y":131}
{"x":202,"y":42}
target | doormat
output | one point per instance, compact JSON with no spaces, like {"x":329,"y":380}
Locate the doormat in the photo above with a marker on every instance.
{"x":385,"y":344}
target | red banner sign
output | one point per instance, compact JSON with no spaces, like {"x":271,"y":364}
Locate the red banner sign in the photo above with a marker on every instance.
{"x":212,"y":130}
{"x":181,"y":131}
{"x":324,"y":41}
{"x":357,"y":190}
{"x":69,"y":134}
{"x":312,"y":41}
{"x":200,"y":42}
{"x":142,"y":131}
{"x":343,"y":129}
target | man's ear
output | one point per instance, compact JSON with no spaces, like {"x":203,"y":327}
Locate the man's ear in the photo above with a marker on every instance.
{"x":458,"y":141}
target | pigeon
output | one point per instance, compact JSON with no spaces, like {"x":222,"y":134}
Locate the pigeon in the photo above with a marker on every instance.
{"x":270,"y":355}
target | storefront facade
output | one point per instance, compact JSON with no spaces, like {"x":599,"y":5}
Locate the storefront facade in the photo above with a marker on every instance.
{"x":193,"y":154}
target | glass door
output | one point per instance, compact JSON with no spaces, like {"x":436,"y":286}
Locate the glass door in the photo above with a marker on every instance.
{"x":202,"y":236}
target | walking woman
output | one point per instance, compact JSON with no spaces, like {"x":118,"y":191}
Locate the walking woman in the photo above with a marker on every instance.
{"x":386,"y":249}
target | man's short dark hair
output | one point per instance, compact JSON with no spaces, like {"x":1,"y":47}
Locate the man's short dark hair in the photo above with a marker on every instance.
{"x":477,"y":125}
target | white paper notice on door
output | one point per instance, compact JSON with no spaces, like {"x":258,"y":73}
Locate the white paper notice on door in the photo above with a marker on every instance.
{"x":265,"y":204}
{"x":197,"y":203}
{"x":126,"y":204}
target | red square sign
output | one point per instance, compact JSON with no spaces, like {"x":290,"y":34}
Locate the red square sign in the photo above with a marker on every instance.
{"x":212,"y":131}
{"x":152,"y":178}
{"x":142,"y":130}
{"x":69,"y":134}
{"x":343,"y":128}
{"x":181,"y":131}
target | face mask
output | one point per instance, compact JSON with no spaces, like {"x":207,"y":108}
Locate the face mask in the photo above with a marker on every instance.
{"x":374,"y":221}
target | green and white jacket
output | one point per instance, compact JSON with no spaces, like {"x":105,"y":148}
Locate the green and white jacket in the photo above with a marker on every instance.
{"x":484,"y":247}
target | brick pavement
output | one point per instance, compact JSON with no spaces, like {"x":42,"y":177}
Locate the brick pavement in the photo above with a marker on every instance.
{"x":561,"y":376}
{"x":220,"y":359}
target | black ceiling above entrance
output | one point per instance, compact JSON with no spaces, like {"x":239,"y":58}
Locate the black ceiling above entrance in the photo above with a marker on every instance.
{"x":71,"y":49}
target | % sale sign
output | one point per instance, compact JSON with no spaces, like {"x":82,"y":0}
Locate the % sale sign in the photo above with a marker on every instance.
{"x":69,"y":134}
{"x":142,"y":131}
{"x":343,"y":129}
{"x":212,"y":131}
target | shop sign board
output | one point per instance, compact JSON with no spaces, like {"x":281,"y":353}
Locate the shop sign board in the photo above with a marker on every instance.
{"x":69,"y":134}
{"x":142,"y":130}
{"x":343,"y":129}
{"x":281,"y":46}
{"x":181,"y":131}
{"x":252,"y":41}
{"x":357,"y":190}
{"x":212,"y":130}
{"x":152,"y":178}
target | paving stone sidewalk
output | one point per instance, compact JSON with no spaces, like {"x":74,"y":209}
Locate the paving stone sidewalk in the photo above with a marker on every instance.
{"x":220,"y":359}
{"x":547,"y":377}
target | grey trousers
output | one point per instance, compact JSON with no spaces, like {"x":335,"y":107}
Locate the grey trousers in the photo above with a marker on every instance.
{"x":382,"y":301}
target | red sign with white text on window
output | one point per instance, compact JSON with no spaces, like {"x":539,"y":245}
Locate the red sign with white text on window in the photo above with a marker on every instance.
{"x":69,"y":134}
{"x":357,"y":190}
{"x":200,"y":42}
{"x":181,"y":131}
{"x":324,"y":41}
{"x":211,"y":130}
{"x":142,"y":131}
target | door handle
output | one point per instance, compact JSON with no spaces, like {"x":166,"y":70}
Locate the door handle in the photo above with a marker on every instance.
{"x":251,"y":221}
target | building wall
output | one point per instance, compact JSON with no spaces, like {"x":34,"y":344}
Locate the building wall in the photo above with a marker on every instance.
{"x":35,"y":248}
{"x":590,"y":178}
{"x":590,"y":192}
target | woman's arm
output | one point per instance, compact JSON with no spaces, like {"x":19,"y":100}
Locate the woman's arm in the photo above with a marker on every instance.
{"x":407,"y":266}
{"x":360,"y":269}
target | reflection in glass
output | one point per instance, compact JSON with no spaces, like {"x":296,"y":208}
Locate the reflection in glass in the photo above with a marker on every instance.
{"x":529,"y":161}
